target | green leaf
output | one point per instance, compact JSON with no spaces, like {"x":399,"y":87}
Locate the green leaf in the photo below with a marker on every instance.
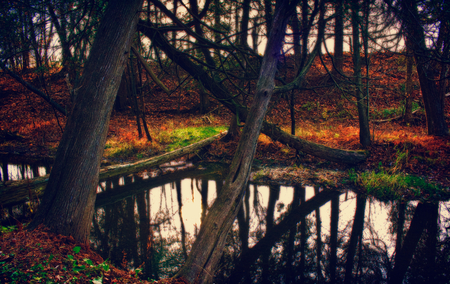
{"x":104,"y":266}
{"x":79,"y":268}
{"x":76,"y":249}
{"x":88,"y":261}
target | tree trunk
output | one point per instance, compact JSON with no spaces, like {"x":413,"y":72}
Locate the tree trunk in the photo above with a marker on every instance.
{"x":318,"y":241}
{"x":61,"y":30}
{"x":401,"y":207}
{"x":361,"y":100}
{"x":243,"y":41}
{"x":334,"y":227}
{"x":68,"y":202}
{"x":357,"y":230}
{"x":408,"y":84}
{"x":274,"y":195}
{"x":208,"y":247}
{"x":338,"y":37}
{"x":433,"y":99}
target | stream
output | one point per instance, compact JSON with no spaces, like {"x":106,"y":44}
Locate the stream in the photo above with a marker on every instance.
{"x":283,"y":234}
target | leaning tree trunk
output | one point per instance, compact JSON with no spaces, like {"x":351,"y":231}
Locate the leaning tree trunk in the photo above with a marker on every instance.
{"x":225,"y":98}
{"x":208,"y":247}
{"x":68,"y":202}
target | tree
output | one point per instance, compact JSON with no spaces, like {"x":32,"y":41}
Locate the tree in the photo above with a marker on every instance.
{"x":207,"y":249}
{"x":361,"y":99}
{"x":223,"y":93}
{"x":338,"y":37}
{"x":431,"y":16}
{"x":68,"y":203}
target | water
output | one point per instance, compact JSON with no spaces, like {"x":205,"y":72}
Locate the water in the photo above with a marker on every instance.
{"x":154,"y":228}
{"x":282,"y":234}
{"x":20,"y":171}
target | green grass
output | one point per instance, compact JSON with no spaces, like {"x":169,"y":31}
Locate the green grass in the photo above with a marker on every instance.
{"x":385,"y":186}
{"x":392,"y":112}
{"x":182,"y":137}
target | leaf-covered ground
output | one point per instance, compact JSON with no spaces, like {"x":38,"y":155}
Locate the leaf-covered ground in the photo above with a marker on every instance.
{"x":326,"y":115}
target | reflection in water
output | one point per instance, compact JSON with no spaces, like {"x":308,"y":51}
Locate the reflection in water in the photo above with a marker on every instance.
{"x":21,"y":171}
{"x":281,"y":234}
{"x":17,"y":170}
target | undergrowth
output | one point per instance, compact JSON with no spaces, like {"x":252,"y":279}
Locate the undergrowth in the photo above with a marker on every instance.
{"x":128,"y":146}
{"x":182,"y":137}
{"x":387,"y":186}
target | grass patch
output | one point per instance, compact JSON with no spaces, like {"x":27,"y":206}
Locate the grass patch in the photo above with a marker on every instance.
{"x":125,"y":148}
{"x":182,"y":137}
{"x":168,"y":139}
{"x":385,"y":186}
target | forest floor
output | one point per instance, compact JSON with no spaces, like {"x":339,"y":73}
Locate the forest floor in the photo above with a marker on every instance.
{"x":30,"y":127}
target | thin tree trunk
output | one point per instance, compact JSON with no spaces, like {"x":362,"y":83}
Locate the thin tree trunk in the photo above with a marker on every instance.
{"x":400,"y":225}
{"x":244,"y":24}
{"x":339,"y":37}
{"x":274,"y":195}
{"x":357,"y":230}
{"x":290,"y":254}
{"x":180,"y":213}
{"x":68,"y":202}
{"x":408,"y":86}
{"x":301,"y":268}
{"x":334,"y":226}
{"x":142,"y":104}
{"x":318,"y":242}
{"x":133,"y":98}
{"x":361,"y":99}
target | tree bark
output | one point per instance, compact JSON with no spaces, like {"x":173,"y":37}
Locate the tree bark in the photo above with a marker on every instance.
{"x":361,"y":100}
{"x":208,"y":247}
{"x":339,"y":37}
{"x":433,"y":99}
{"x":68,"y":202}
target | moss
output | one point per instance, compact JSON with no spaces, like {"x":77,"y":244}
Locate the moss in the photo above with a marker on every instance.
{"x":182,"y":137}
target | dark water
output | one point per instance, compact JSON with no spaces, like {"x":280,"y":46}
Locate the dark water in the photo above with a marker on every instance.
{"x":282,"y":234}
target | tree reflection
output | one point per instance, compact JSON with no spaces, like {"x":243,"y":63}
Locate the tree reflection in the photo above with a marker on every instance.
{"x":274,"y":239}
